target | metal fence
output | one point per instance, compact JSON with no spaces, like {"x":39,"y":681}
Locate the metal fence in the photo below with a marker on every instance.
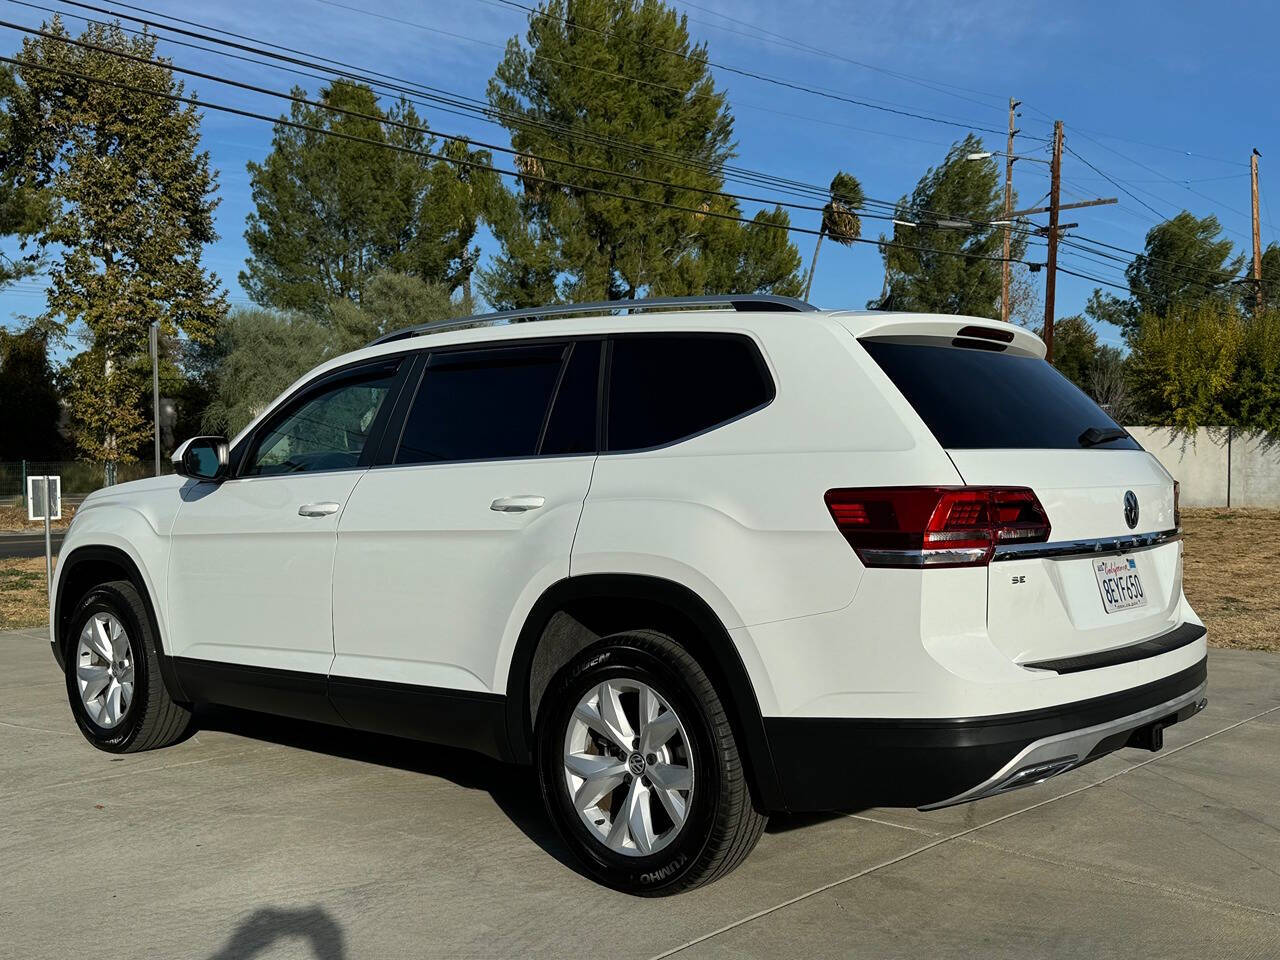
{"x":79,"y":478}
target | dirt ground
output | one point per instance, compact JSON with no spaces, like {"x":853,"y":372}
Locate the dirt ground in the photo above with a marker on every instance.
{"x":13,"y":519}
{"x":1231,"y":576}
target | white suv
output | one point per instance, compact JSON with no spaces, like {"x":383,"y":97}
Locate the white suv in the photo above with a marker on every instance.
{"x":701,"y":562}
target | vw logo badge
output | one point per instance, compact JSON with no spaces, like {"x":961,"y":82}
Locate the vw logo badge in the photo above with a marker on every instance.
{"x":636,"y":764}
{"x":1130,"y":509}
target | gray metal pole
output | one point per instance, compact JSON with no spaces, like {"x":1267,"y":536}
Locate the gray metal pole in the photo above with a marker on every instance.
{"x":48,"y":539}
{"x":155,"y":386}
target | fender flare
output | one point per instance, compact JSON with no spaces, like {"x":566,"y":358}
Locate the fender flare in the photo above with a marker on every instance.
{"x":716,"y":651}
{"x":113,"y":556}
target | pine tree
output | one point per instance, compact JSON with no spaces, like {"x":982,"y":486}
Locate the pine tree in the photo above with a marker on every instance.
{"x":593,"y":78}
{"x":330,"y":211}
{"x":950,"y":207}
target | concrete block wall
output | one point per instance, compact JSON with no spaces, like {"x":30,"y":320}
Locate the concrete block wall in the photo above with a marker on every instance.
{"x":1217,"y":467}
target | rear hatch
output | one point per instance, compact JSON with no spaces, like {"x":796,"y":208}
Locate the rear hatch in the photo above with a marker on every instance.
{"x":1110,"y":575}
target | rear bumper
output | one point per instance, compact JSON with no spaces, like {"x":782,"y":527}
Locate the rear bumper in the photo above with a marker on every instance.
{"x":837,"y":763}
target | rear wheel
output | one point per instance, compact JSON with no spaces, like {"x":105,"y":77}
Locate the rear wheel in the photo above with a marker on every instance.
{"x":114,"y":685}
{"x":640,"y":770}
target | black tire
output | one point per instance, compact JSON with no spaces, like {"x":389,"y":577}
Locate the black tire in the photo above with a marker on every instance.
{"x":152,"y":719}
{"x":722,"y":825}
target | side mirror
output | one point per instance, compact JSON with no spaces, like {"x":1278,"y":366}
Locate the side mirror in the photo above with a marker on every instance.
{"x":202,"y":458}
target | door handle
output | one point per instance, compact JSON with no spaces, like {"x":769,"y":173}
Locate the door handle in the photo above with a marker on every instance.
{"x":517,"y":504}
{"x":324,"y":509}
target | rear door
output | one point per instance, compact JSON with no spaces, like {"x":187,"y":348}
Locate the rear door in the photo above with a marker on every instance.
{"x":1112,"y":573}
{"x":471,"y":517}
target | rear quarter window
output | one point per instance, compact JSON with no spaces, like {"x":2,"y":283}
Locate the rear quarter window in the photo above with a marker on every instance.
{"x":985,"y":399}
{"x":666,"y":388}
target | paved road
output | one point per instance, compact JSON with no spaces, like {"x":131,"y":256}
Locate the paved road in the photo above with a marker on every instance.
{"x":260,"y":838}
{"x":29,"y":544}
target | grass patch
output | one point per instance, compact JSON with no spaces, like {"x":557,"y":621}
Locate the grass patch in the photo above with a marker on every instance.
{"x":23,"y":599}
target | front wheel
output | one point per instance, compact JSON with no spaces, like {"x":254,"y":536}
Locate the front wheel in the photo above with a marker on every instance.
{"x":114,"y":685}
{"x":640,"y":769}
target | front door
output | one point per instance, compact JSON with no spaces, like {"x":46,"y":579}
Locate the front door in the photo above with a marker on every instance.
{"x":251,"y":567}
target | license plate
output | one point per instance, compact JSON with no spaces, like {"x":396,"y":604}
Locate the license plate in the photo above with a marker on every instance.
{"x":1119,"y":584}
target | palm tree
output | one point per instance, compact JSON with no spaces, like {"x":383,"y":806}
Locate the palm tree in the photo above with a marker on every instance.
{"x":840,"y":219}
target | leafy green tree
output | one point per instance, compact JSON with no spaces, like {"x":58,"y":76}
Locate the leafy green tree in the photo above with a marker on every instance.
{"x":132,"y":202}
{"x":1255,"y":401}
{"x":755,"y":257}
{"x":258,"y":353}
{"x":29,"y":407}
{"x":958,"y":279}
{"x":458,"y":196}
{"x":1075,"y":348}
{"x":1185,"y":262}
{"x":1270,"y":279}
{"x":840,"y":220}
{"x":392,"y":301}
{"x":24,"y":207}
{"x":330,"y":212}
{"x":1184,"y":365}
{"x":568,"y":97}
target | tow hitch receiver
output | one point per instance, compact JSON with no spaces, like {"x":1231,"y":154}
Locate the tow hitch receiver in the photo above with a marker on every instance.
{"x":1150,"y":737}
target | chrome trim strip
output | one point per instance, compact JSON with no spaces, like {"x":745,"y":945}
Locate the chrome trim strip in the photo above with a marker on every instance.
{"x":1078,"y":548}
{"x":1074,"y":745}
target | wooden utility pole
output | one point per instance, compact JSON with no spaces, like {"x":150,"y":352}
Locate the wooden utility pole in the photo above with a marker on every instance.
{"x":1008,"y":209}
{"x":1055,"y":187}
{"x":1257,"y":233}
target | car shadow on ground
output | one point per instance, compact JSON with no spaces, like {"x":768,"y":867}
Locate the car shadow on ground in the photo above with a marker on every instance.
{"x":514,"y":788}
{"x":263,"y":929}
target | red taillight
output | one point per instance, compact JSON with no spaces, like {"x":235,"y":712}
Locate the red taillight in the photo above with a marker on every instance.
{"x":936,"y":526}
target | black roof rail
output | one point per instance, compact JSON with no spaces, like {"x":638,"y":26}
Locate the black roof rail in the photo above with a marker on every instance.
{"x":743,"y":303}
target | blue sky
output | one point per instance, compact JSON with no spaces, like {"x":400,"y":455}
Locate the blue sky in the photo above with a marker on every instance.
{"x":1167,"y":97}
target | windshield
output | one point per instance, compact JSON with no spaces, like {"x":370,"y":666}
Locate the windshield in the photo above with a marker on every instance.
{"x":982,"y":399}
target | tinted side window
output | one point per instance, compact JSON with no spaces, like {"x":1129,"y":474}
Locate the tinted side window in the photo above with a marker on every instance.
{"x":326,"y":429}
{"x":572,"y":427}
{"x":665,"y":388}
{"x":976,"y":399}
{"x":481,"y":404}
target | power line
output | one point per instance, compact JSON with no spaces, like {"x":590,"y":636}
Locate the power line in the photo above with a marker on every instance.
{"x":936,"y":85}
{"x":1085,"y":276}
{"x":482,"y":110}
{"x":1225,"y":176}
{"x":205,"y":104}
{"x":1118,"y":185}
{"x":294,"y":98}
{"x":1163,"y":176}
{"x":728,"y":68}
{"x":1048,"y":119}
{"x":1227,"y":278}
{"x":1162,"y":218}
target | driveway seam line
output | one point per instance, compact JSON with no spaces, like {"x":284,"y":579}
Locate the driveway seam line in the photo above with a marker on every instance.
{"x":947,"y":839}
{"x":1080,"y":866}
{"x":1121,"y":878}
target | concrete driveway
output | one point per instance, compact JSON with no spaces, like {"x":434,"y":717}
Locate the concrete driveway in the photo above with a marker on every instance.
{"x":262,"y":838}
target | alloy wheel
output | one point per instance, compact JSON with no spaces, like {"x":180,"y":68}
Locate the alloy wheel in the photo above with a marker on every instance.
{"x":105,"y":669}
{"x":628,"y":767}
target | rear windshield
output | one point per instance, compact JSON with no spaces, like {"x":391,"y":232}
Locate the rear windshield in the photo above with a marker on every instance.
{"x":981,"y":399}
